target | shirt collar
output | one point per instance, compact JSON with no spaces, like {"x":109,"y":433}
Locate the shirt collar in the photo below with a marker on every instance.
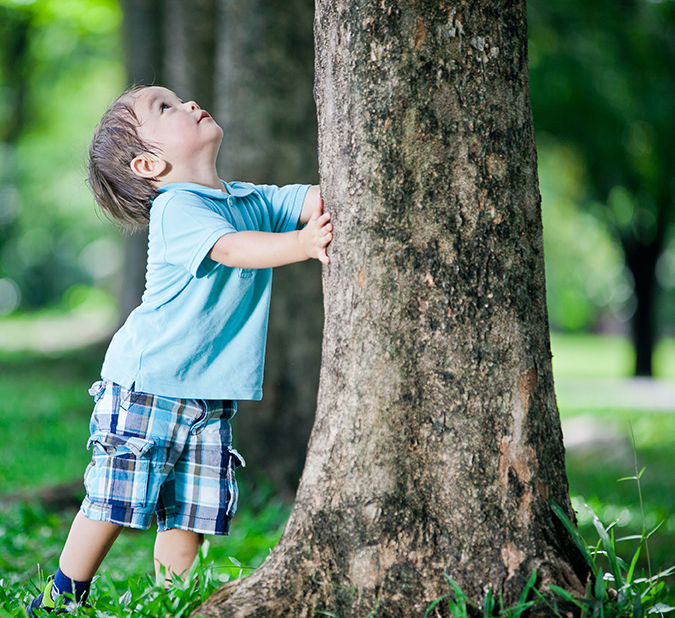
{"x":231,"y":190}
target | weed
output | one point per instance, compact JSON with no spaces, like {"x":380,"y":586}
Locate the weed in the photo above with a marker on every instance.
{"x":459,"y":603}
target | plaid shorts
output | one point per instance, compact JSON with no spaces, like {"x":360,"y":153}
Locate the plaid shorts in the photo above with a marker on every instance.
{"x":173,"y":457}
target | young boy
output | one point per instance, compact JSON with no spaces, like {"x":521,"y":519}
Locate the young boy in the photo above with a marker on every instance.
{"x":160,"y":431}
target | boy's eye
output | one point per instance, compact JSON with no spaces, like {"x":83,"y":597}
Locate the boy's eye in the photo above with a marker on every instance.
{"x":164,"y":106}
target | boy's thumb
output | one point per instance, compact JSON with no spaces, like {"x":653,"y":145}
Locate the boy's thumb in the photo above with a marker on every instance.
{"x":318,"y":211}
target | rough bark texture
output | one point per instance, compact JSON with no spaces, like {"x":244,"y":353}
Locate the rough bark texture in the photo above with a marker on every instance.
{"x":437,"y":445}
{"x":264,"y":103}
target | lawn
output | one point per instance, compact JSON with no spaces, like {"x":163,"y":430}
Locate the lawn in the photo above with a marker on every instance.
{"x":612,"y":425}
{"x":44,"y":407}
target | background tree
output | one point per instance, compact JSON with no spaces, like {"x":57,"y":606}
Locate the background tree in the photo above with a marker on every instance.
{"x":437,"y":445}
{"x":602,"y":79}
{"x":172,"y":43}
{"x":265,"y":71}
{"x":250,"y":64}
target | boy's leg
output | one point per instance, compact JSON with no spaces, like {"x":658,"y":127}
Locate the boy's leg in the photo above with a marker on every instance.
{"x":176,"y":550}
{"x":88,"y":543}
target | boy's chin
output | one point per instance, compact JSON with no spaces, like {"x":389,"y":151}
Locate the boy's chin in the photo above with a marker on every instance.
{"x":219,"y":133}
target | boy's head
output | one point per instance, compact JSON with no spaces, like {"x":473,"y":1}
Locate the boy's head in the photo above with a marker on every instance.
{"x":148,"y":137}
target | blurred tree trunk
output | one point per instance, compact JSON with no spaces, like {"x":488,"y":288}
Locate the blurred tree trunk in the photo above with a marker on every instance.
{"x":437,"y":446}
{"x":170,"y":43}
{"x":624,"y":135}
{"x":16,"y":30}
{"x":641,"y":259}
{"x":250,"y":62}
{"x":264,"y":103}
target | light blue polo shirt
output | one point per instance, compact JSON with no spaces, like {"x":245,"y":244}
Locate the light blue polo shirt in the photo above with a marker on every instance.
{"x":201,"y":328}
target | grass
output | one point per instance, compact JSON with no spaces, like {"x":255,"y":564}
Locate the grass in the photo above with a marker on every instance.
{"x":594,"y":468}
{"x":31,"y":539}
{"x":45,"y":407}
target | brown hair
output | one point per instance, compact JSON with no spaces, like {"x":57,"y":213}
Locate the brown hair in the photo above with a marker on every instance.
{"x":121,"y":194}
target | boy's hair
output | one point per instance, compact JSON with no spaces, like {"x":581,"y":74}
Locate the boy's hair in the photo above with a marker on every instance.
{"x":120,"y":193}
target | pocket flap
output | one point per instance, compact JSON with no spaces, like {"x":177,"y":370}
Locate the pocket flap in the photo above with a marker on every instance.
{"x":112,"y":443}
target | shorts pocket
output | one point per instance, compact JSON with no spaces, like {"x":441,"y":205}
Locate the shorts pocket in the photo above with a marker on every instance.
{"x":119,"y":473}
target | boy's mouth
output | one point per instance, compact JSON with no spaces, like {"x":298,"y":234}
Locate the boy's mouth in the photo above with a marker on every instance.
{"x":204,"y":115}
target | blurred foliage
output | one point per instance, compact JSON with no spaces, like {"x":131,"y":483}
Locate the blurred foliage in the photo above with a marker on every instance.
{"x":586,"y":279}
{"x":602,"y":82}
{"x":61,"y":63}
{"x":602,"y":77}
{"x":601,"y":85}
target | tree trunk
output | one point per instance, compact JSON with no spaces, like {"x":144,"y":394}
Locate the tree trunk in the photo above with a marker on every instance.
{"x":144,"y":59}
{"x":437,"y":445}
{"x":641,"y":260}
{"x":250,"y":63}
{"x":169,"y":43}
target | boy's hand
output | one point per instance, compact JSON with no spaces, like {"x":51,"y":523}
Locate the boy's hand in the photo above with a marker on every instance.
{"x":316,"y":235}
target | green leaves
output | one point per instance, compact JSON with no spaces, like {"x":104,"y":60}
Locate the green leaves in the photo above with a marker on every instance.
{"x":616,"y":593}
{"x":461,"y":606}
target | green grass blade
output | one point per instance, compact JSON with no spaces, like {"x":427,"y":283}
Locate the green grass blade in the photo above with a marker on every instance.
{"x":435,"y":603}
{"x":489,"y":605}
{"x":528,"y":587}
{"x":637,"y":607}
{"x":600,"y":590}
{"x":114,"y":595}
{"x":576,"y":537}
{"x":632,"y":537}
{"x":633,"y":564}
{"x":655,"y":529}
{"x":460,"y":596}
{"x":609,"y":548}
{"x":568,"y":596}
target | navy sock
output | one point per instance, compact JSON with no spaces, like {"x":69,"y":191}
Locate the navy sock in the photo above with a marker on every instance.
{"x":63,"y":585}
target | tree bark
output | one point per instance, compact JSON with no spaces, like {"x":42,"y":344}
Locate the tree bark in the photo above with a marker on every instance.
{"x":437,"y":445}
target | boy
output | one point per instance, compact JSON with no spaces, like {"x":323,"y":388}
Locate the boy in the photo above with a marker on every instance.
{"x":160,"y":431}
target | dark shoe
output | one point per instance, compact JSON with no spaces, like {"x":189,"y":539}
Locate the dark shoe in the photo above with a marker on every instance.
{"x":44,"y":601}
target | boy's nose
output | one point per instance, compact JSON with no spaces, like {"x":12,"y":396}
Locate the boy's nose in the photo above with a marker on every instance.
{"x":192,"y":106}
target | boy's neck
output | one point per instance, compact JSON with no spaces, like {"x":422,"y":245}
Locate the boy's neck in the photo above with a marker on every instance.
{"x":208,"y":179}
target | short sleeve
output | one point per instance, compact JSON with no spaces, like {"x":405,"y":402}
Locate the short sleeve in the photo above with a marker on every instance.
{"x":285,"y":204}
{"x":189,"y":229}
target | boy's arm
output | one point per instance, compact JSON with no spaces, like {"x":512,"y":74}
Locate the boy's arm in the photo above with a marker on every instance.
{"x":312,"y":198}
{"x":252,"y":249}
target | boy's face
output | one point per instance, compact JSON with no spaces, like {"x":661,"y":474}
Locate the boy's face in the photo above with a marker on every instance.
{"x":183,"y":133}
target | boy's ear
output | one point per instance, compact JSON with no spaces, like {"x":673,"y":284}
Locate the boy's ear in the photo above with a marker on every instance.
{"x":147,"y":165}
